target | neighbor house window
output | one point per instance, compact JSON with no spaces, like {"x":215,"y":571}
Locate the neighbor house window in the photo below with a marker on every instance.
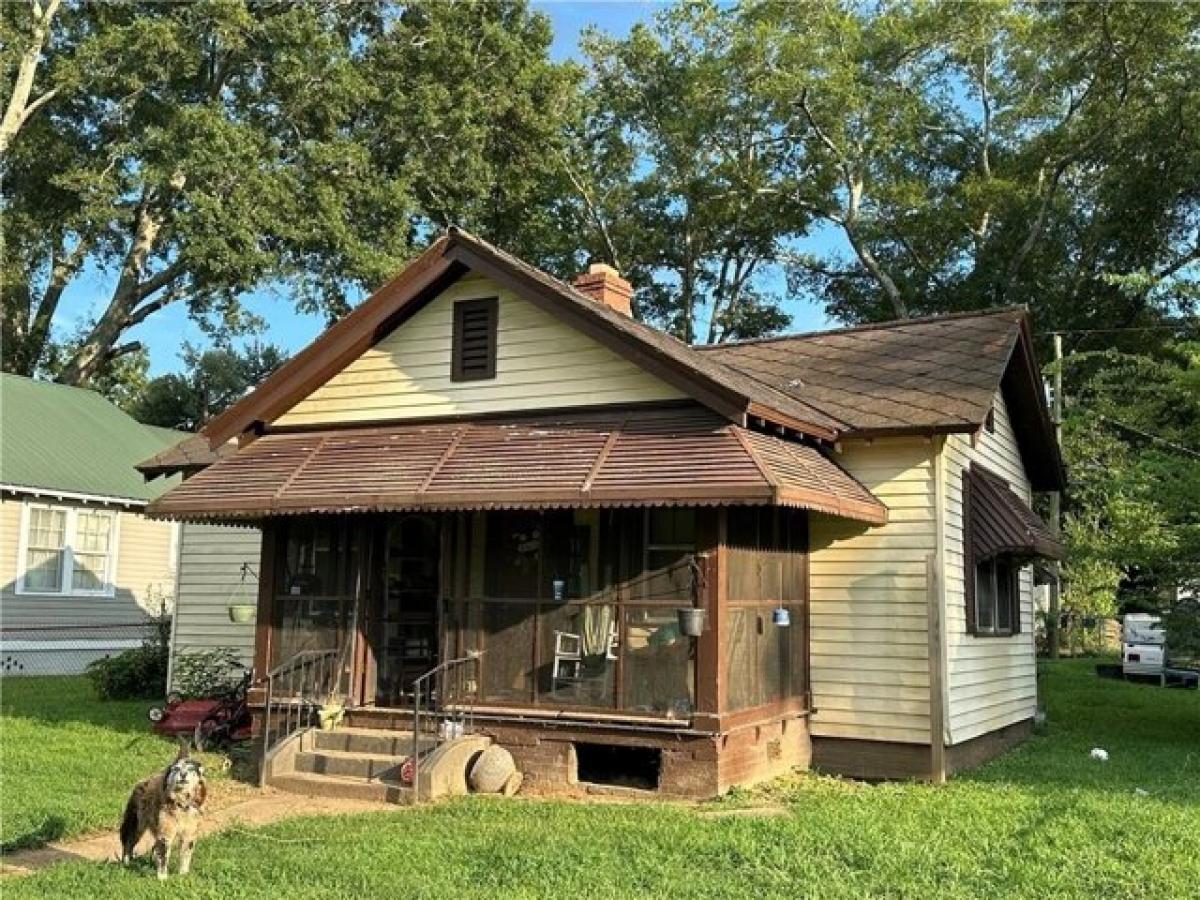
{"x":473,"y":355}
{"x":67,"y":550}
{"x":997,"y":595}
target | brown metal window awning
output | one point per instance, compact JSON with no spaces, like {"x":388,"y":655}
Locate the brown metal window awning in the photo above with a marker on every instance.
{"x":665,"y":456}
{"x":999,"y":522}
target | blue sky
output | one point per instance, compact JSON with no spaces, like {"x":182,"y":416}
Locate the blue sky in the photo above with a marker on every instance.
{"x":165,"y":333}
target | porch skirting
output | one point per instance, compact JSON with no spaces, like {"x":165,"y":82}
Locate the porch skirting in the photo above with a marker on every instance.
{"x":891,"y":760}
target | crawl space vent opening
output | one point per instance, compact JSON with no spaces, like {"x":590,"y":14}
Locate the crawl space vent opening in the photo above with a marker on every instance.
{"x":632,"y":767}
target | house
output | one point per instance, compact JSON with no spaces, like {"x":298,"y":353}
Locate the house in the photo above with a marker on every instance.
{"x":81,"y":567}
{"x":639,"y":562}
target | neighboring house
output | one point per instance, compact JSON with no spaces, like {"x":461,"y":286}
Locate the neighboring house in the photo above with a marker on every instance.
{"x":81,"y":567}
{"x":483,"y":462}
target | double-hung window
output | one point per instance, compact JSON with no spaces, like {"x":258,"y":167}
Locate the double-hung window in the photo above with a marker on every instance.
{"x":67,"y":550}
{"x":996,"y":597}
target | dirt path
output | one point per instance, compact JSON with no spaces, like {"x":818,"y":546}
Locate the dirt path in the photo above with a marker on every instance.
{"x":258,"y":808}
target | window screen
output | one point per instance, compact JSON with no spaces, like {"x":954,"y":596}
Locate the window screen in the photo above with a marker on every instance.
{"x":474,"y":351}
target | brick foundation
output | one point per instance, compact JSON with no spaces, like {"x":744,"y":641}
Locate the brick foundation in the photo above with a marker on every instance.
{"x":693,"y":765}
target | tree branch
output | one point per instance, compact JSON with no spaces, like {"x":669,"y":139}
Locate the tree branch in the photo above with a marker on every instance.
{"x":18,"y":110}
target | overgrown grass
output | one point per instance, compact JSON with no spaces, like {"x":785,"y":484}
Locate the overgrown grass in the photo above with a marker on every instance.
{"x":68,"y":759}
{"x":1044,"y":821}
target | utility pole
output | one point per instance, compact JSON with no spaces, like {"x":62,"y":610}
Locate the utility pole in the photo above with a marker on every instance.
{"x":1056,"y":499}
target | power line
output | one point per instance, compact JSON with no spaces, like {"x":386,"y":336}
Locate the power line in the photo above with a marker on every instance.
{"x":1180,"y":326}
{"x":1151,"y":437}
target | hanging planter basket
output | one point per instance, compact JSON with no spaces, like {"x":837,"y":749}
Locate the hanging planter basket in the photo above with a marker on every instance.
{"x":691,"y":621}
{"x":242,"y":612}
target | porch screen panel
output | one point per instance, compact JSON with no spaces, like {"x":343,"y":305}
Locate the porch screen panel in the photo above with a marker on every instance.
{"x":659,"y":673}
{"x":579,"y":609}
{"x":318,"y":570}
{"x":507,"y":631}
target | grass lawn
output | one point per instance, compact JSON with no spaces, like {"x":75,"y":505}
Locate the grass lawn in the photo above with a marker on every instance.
{"x":68,"y":760}
{"x":1044,"y":821}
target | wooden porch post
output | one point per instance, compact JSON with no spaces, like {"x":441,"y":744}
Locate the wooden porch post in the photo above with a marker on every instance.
{"x":266,"y":598}
{"x":710,"y":646}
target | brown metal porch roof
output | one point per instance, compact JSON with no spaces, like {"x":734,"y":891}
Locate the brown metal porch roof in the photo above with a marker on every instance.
{"x":664,"y":456}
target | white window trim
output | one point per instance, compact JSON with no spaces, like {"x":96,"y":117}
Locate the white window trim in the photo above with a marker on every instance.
{"x":68,"y":557}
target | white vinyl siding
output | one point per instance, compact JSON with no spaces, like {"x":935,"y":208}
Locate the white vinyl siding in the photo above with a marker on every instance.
{"x":210,"y":580}
{"x":869,"y":600}
{"x":991,"y":681}
{"x":541,"y":363}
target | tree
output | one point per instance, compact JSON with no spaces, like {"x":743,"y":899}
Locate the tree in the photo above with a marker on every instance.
{"x":315,"y":146}
{"x":987,"y":154}
{"x":674,"y":172}
{"x":211,"y":382}
{"x":1132,"y":444}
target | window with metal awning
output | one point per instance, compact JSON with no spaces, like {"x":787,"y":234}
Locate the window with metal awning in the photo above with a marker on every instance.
{"x":1002,"y":534}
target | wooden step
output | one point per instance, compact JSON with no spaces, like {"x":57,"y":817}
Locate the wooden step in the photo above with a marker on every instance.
{"x":309,"y":785}
{"x":342,"y":764}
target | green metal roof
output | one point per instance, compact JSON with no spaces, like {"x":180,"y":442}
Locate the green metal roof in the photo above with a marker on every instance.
{"x":59,"y":438}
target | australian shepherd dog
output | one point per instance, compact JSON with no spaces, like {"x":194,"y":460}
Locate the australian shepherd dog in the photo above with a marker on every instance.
{"x":168,"y":805}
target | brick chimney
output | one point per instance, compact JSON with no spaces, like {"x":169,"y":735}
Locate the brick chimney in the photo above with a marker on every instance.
{"x":604,"y":284}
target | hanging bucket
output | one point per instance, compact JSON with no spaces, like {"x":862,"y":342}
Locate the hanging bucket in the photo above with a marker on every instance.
{"x":782,"y":616}
{"x":242,"y":612}
{"x":691,"y":621}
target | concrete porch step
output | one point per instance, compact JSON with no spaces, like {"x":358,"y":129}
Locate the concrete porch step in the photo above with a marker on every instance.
{"x":369,"y":741}
{"x":344,"y":764}
{"x":309,"y":785}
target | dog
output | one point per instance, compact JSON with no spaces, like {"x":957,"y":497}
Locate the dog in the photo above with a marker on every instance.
{"x":169,"y":806}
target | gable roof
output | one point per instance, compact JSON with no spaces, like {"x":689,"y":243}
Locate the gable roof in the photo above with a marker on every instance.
{"x":709,"y":381}
{"x":934,"y":374}
{"x":55,"y":438}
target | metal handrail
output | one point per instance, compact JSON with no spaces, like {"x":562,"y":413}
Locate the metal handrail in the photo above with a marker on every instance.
{"x":318,"y":674}
{"x":444,"y":706}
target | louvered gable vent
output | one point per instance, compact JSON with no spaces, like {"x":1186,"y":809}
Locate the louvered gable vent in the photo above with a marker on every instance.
{"x":474,"y":351}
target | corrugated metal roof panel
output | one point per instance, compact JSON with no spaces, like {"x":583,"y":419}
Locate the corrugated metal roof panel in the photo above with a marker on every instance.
{"x":1001,"y":522}
{"x":679,"y":456}
{"x":54,"y":437}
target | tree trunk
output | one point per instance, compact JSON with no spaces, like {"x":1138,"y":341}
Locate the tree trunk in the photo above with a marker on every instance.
{"x":93,"y":352}
{"x":19,"y":109}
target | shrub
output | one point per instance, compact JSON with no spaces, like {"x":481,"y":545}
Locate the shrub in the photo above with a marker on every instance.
{"x":137,"y":673}
{"x":204,"y":673}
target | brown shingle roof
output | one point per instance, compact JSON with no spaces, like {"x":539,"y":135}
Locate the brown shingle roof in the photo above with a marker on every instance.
{"x":935,"y":373}
{"x":667,"y":456}
{"x":190,"y":454}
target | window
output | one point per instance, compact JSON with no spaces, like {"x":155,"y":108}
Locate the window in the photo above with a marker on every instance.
{"x":473,"y":355}
{"x":997,"y":597}
{"x":67,"y":550}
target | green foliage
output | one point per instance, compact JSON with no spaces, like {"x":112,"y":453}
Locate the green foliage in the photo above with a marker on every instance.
{"x":1125,"y":828}
{"x":137,"y":673}
{"x":678,"y":176}
{"x":1132,"y":522}
{"x":1181,"y":622}
{"x":211,"y":382}
{"x":205,"y":673}
{"x":312,"y":146}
